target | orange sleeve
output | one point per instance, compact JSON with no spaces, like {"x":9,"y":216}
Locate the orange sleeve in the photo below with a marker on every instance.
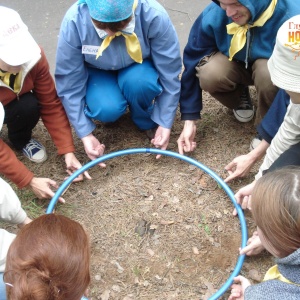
{"x":52,"y":111}
{"x":12,"y":168}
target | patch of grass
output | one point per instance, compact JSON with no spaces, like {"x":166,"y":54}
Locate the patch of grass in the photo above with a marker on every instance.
{"x":33,"y":206}
{"x":136,"y":271}
{"x":203,"y":224}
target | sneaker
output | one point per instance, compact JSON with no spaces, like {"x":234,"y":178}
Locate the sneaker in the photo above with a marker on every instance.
{"x":35,"y":151}
{"x":150,"y":133}
{"x":245,"y":111}
{"x":255,"y":142}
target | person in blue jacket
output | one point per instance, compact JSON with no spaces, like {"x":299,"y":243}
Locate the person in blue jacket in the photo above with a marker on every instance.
{"x":114,"y":55}
{"x":227,"y":50}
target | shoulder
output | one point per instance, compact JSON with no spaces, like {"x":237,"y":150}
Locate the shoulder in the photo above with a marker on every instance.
{"x":148,"y":10}
{"x":75,"y":14}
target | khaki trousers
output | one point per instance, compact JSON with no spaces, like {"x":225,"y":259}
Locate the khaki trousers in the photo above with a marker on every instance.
{"x":225,"y":81}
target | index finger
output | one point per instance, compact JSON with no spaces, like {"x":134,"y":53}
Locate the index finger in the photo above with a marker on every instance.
{"x":180,"y":147}
{"x":229,"y":166}
{"x":230,"y":177}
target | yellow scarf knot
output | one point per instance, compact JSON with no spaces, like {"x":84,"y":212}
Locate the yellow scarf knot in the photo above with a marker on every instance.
{"x":273,"y":273}
{"x":133,"y":45}
{"x":12,"y":80}
{"x":239,"y":32}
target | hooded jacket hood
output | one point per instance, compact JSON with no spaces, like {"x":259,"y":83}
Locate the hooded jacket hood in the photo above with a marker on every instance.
{"x":256,"y":8}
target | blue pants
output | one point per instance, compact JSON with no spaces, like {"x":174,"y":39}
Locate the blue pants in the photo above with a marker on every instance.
{"x":109,"y":93}
{"x":2,"y":288}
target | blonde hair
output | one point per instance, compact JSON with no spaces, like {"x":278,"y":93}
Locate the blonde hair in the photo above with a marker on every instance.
{"x":48,"y":260}
{"x":276,"y":209}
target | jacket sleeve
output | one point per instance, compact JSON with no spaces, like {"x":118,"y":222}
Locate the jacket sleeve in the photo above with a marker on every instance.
{"x":52,"y":112}
{"x":201,"y":42}
{"x":287,"y":135}
{"x":10,"y":205}
{"x":13,"y":168}
{"x":271,"y":122}
{"x":6,"y":238}
{"x":71,"y":78}
{"x":10,"y":211}
{"x":165,"y":53}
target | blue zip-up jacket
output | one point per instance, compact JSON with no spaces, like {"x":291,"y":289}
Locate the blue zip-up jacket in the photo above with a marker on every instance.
{"x":208,"y":34}
{"x":77,"y":47}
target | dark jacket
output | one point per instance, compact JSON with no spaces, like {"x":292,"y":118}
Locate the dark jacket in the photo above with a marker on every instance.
{"x":208,"y":34}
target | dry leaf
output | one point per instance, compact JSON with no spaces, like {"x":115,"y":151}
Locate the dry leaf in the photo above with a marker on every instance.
{"x":195,"y":250}
{"x":163,"y":222}
{"x":254,"y":274}
{"x":150,"y":252}
{"x":105,"y":295}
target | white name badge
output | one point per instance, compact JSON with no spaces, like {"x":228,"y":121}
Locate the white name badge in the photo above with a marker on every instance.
{"x":88,"y":49}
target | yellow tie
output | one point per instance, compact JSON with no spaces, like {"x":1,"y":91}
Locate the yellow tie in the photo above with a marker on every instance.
{"x":239,"y":32}
{"x":133,"y":45}
{"x":7,"y":79}
{"x":273,"y":273}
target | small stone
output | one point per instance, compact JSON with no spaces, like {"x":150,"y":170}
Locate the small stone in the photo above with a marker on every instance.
{"x":98,"y":277}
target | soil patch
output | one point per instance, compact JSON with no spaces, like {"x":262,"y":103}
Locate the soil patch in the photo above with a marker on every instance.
{"x":159,"y":229}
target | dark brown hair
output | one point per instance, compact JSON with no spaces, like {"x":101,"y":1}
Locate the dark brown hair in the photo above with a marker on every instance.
{"x":276,"y":209}
{"x":49,"y":259}
{"x":112,"y":26}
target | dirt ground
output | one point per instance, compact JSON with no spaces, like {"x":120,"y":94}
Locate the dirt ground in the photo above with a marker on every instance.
{"x":159,"y":229}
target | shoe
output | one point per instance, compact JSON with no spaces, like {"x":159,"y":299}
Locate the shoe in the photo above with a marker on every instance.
{"x":245,"y":111}
{"x":255,"y":142}
{"x":150,"y":133}
{"x":35,"y":151}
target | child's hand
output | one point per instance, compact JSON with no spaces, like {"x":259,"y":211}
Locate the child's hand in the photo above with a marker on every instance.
{"x":238,"y":288}
{"x":254,"y":245}
{"x":25,"y":222}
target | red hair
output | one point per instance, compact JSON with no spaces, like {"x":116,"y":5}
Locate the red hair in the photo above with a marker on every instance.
{"x":276,"y":209}
{"x":49,"y":259}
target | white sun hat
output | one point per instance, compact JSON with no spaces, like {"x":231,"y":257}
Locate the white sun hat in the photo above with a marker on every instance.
{"x":17,"y":46}
{"x":284,"y":63}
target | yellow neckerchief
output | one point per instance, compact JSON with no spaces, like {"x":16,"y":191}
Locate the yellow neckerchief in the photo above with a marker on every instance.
{"x":132,"y":43}
{"x":273,"y":273}
{"x":5,"y":77}
{"x":239,"y":32}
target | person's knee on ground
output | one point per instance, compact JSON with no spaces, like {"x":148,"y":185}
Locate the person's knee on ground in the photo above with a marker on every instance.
{"x":223,"y":79}
{"x":265,"y":89}
{"x":140,"y":86}
{"x":104,"y":100}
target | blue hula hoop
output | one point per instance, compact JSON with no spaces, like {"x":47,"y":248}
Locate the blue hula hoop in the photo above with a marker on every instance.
{"x":187,"y":159}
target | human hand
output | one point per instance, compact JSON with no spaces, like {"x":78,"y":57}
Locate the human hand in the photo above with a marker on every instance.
{"x":238,"y":288}
{"x":186,"y":141}
{"x":161,"y":139}
{"x":93,"y":148}
{"x":239,"y":167}
{"x":73,"y":165}
{"x":25,"y":222}
{"x":243,"y":197}
{"x":41,"y":188}
{"x":254,"y":245}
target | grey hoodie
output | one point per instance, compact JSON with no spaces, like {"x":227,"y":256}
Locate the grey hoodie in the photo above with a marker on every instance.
{"x":289,"y":267}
